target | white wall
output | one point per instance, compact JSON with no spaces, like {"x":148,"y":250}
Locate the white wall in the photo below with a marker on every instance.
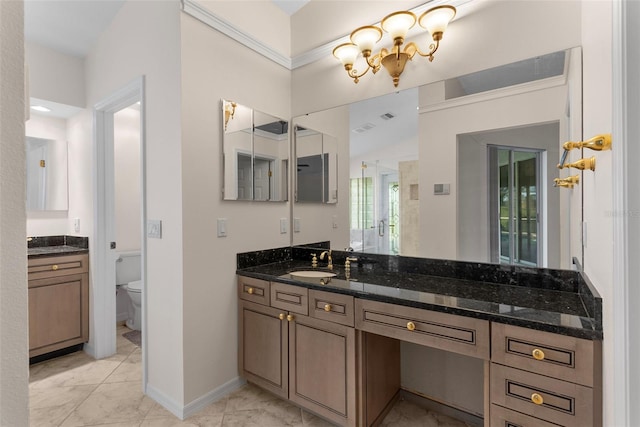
{"x":47,"y":223}
{"x":597,"y":187}
{"x":128,"y":194}
{"x":210,"y":295}
{"x":14,"y":347}
{"x":144,"y":39}
{"x":55,"y":76}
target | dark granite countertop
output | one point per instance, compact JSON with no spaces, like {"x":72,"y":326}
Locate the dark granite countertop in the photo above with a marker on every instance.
{"x":45,"y":246}
{"x":548,"y":300}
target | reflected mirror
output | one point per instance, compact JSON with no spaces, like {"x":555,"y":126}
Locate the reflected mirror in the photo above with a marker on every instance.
{"x":47,"y":186}
{"x":463,"y":169}
{"x":255,"y":156}
{"x":317,"y":166}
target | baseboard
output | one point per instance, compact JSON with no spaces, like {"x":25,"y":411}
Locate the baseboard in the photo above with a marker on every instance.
{"x":164,"y":400}
{"x":426,"y":402}
{"x":205,"y":400}
{"x":195,"y":406}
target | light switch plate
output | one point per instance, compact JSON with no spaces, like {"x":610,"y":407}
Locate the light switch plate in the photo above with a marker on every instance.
{"x":222,"y":227}
{"x":283,"y":225}
{"x":76,"y":225}
{"x":296,"y":225}
{"x":334,"y":221}
{"x":154,"y":229}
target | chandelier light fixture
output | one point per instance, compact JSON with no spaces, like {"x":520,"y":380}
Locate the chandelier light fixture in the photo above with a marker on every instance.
{"x":397,"y":24}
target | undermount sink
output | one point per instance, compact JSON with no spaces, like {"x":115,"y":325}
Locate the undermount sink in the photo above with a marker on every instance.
{"x":312,"y":273}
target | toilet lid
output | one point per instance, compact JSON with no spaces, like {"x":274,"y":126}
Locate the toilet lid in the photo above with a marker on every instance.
{"x":135,"y":286}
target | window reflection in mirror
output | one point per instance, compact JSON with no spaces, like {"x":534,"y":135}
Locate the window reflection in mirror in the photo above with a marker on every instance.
{"x":316,"y":166}
{"x":255,"y":154}
{"x":47,"y":187}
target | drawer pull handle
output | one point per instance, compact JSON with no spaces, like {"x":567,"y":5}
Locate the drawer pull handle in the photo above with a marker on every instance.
{"x":290,"y":317}
{"x":281,"y":316}
{"x":327,"y":307}
{"x":411,"y":326}
{"x":537,"y":399}
{"x":538,"y":354}
{"x":250,"y":291}
{"x":54,"y":267}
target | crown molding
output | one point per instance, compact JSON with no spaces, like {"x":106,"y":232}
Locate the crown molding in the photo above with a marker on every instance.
{"x":193,"y":8}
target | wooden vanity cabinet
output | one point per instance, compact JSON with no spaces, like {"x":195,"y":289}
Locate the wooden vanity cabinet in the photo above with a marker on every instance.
{"x":58,"y":302}
{"x":307,"y":360}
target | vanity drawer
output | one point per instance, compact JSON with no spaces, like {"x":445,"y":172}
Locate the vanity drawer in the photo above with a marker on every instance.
{"x":289,"y":297}
{"x":550,"y":399}
{"x":558,"y":356}
{"x":335,"y":308}
{"x":503,"y":417}
{"x":40,"y":268}
{"x":255,"y":290}
{"x":464,"y":335}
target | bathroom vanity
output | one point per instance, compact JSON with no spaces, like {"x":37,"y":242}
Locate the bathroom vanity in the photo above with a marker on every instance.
{"x":332,"y":345}
{"x":58,"y":282}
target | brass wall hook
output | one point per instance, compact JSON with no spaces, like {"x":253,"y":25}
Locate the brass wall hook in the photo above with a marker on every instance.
{"x":581,"y":164}
{"x":597,"y":143}
{"x":567,"y":182}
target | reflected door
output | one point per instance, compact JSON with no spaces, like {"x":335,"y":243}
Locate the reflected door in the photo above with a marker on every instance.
{"x":515,"y":207}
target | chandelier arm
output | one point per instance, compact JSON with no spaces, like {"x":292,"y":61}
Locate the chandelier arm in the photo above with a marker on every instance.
{"x":433,"y":47}
{"x":353,"y":73}
{"x":374,"y":62}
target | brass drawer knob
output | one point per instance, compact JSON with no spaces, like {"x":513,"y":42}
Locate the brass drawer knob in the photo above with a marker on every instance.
{"x":250,"y":291}
{"x":411,"y":326}
{"x":537,"y":354}
{"x":327,"y":307}
{"x":537,"y":399}
{"x":281,"y":316}
{"x":54,"y":267}
{"x":290,"y":317}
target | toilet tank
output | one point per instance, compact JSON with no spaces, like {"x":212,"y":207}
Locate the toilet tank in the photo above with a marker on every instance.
{"x":128,"y":267}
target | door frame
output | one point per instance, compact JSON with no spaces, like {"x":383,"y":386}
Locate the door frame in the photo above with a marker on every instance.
{"x":103,"y":335}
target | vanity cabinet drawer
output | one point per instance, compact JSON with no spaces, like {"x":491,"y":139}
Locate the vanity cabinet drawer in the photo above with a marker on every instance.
{"x":335,"y":308}
{"x":254,"y":290}
{"x":549,"y":399}
{"x":558,"y":356}
{"x":291,"y":298}
{"x":503,"y":417}
{"x":46,"y":267}
{"x":464,"y":335}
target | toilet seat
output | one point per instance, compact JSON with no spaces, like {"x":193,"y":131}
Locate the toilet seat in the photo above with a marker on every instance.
{"x":135,"y":286}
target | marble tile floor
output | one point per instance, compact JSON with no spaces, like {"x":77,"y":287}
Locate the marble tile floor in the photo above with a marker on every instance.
{"x":76,"y":390}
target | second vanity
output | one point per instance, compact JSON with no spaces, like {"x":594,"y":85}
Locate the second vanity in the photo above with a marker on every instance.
{"x":333,"y":347}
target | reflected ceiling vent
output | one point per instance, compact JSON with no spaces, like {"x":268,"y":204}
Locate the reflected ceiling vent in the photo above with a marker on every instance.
{"x":387,"y":116}
{"x":277,"y":128}
{"x":365,"y":127}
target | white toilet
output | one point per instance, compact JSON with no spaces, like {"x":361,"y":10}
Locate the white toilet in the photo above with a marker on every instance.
{"x":128,"y":278}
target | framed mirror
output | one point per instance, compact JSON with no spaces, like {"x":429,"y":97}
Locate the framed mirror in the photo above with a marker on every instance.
{"x":316,"y":166}
{"x":255,"y":153}
{"x":463,"y":168}
{"x":47,"y":171}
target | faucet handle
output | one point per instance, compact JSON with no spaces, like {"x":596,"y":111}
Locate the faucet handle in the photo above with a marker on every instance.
{"x":348,"y":260}
{"x":314,"y":261}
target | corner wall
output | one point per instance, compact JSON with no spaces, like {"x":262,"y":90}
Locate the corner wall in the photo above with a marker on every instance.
{"x":14,"y":347}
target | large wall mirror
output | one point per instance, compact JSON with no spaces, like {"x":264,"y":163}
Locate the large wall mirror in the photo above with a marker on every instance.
{"x":47,"y":185}
{"x":255,"y":149}
{"x":463,"y":168}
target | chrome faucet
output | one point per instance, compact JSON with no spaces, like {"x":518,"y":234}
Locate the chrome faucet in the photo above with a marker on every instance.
{"x":329,"y":260}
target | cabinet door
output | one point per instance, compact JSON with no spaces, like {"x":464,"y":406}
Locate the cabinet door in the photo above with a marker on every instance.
{"x":263,"y":343}
{"x":322,"y":368}
{"x":58,"y":313}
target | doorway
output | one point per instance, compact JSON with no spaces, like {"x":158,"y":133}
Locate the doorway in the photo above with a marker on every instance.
{"x":103,"y":295}
{"x":514,"y":186}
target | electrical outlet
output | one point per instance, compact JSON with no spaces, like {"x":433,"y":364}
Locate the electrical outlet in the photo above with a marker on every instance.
{"x":76,"y":225}
{"x":334,"y":221}
{"x":154,"y":229}
{"x":296,"y":225}
{"x":283,"y":225}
